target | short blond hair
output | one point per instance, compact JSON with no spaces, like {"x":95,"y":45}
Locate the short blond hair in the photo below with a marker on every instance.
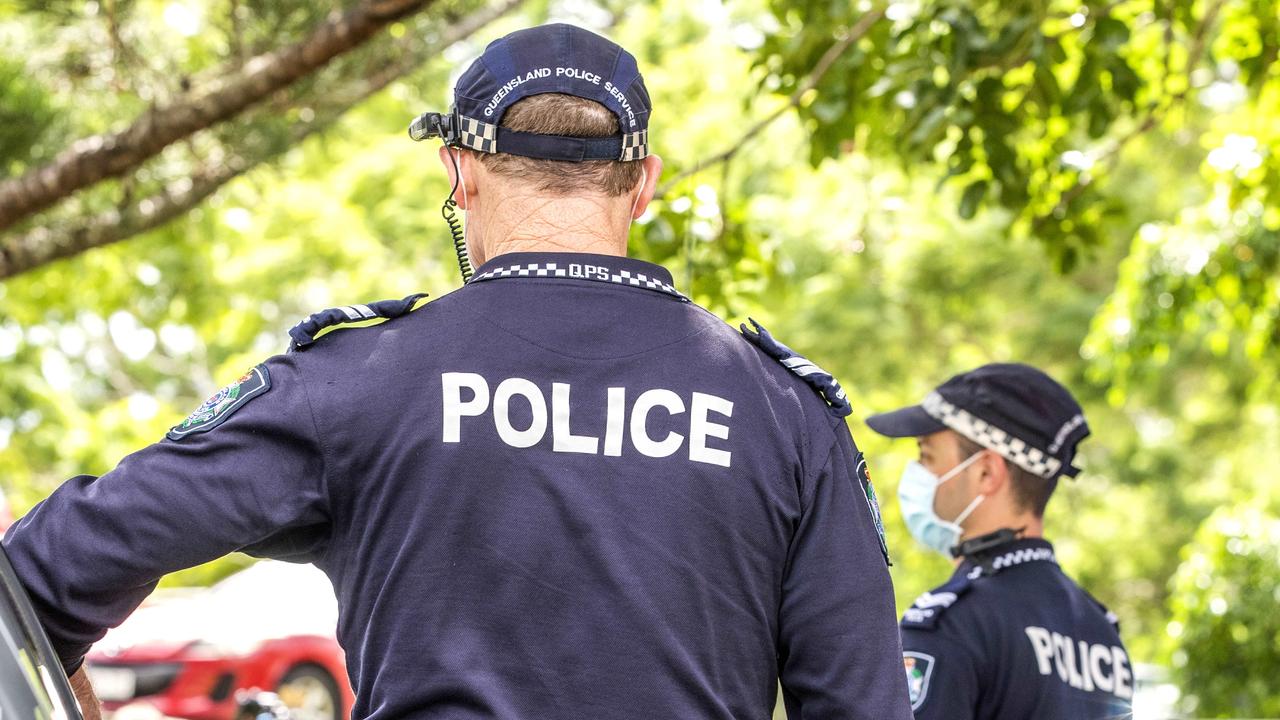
{"x":559,"y":114}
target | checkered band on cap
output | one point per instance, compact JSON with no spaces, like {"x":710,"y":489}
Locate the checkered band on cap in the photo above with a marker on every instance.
{"x":635,"y":146}
{"x":575,"y":271}
{"x":1013,"y":449}
{"x":478,"y":135}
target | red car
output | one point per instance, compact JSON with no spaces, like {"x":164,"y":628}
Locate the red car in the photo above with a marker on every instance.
{"x":269,"y":627}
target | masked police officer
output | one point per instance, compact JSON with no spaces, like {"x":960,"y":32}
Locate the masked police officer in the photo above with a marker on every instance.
{"x":1009,"y":635}
{"x":562,"y":491}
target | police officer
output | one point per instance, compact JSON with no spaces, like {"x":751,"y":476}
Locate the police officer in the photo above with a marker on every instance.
{"x":1009,"y":635}
{"x":562,"y":491}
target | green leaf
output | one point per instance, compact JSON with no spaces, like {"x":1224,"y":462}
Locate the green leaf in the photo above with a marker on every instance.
{"x":1124,"y":81}
{"x":971,"y":198}
{"x":1109,"y":34}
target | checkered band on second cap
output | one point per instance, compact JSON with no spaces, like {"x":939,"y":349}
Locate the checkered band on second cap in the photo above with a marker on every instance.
{"x":635,"y":146}
{"x":1018,"y":451}
{"x":478,"y":135}
{"x":620,"y":277}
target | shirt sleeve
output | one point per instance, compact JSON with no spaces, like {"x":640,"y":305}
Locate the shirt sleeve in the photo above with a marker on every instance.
{"x":92,"y":551}
{"x":839,"y":650}
{"x":942,"y":675}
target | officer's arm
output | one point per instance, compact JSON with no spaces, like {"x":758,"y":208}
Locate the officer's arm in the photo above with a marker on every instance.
{"x":90,"y":707}
{"x":92,"y":551}
{"x":840,"y":654}
{"x":942,"y":674}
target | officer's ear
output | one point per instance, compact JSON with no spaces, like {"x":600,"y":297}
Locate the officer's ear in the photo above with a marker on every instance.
{"x":652,"y":169}
{"x":994,"y":473}
{"x":466,"y":163}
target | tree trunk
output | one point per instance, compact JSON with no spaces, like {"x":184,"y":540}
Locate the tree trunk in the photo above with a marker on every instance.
{"x":99,"y":157}
{"x":46,"y":244}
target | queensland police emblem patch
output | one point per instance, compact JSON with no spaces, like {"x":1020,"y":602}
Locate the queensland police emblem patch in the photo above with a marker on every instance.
{"x":873,"y":505}
{"x":919,"y":667}
{"x":222,"y":404}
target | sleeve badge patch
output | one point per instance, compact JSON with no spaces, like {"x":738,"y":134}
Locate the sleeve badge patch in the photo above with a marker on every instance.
{"x":873,"y":505}
{"x":919,"y":667}
{"x":214,"y":411}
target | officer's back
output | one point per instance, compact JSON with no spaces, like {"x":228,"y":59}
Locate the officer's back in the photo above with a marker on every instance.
{"x":579,"y":483}
{"x":1010,"y":636}
{"x":1041,"y":646}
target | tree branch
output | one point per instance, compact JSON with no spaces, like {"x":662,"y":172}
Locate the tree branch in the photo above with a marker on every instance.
{"x":96,"y":158}
{"x":44,"y":245}
{"x":819,"y":71}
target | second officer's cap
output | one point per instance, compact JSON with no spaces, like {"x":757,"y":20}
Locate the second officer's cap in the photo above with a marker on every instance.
{"x":1016,"y":410}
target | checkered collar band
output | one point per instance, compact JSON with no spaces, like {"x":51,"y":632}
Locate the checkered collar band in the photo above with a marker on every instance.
{"x":1013,"y":449}
{"x":626,"y":272}
{"x":1006,"y":555}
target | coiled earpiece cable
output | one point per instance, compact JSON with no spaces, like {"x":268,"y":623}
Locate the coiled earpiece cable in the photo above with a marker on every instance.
{"x":448,"y":212}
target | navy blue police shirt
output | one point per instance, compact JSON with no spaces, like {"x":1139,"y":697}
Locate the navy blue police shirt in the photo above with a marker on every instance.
{"x":562,"y":491}
{"x":1010,"y":636}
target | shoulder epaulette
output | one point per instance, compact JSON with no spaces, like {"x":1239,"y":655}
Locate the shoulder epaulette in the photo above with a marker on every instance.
{"x":1112,"y":618}
{"x":819,"y":379}
{"x":319,"y":324}
{"x":925,"y":611}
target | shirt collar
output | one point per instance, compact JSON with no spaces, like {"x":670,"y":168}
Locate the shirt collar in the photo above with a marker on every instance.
{"x":1007,"y":555}
{"x":623,"y":271}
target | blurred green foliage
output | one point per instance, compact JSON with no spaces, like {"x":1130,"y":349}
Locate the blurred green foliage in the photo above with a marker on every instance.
{"x":1093,"y":188}
{"x":1023,"y":104}
{"x":1224,"y":625}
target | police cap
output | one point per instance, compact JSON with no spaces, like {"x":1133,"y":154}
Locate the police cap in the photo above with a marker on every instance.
{"x":555,"y":58}
{"x":1014,"y":409}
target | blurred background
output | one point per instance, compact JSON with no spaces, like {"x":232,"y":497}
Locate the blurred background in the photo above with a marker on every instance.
{"x":899,"y":190}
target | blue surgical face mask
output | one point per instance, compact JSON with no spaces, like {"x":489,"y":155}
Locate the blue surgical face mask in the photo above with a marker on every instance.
{"x":915,"y":494}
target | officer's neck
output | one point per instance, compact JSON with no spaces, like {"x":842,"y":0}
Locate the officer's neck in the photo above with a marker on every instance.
{"x":549,"y":224}
{"x":1027,"y":524}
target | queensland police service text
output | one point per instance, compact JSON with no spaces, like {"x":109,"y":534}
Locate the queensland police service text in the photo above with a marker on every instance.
{"x":469,"y":395}
{"x":614,"y":91}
